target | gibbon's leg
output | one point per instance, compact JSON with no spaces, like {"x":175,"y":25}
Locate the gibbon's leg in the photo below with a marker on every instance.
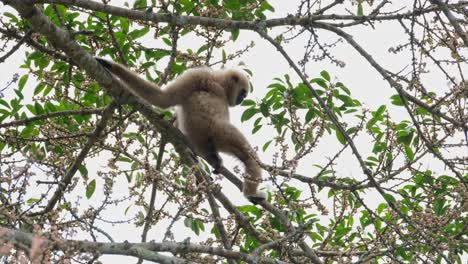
{"x":230,"y":140}
{"x":213,"y":155}
{"x":171,"y":95}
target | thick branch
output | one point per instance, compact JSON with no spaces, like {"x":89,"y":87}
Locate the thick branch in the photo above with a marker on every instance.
{"x":143,"y":250}
{"x":230,"y":24}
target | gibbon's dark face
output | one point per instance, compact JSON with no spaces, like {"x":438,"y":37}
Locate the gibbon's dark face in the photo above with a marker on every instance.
{"x":237,"y":85}
{"x":241,"y":96}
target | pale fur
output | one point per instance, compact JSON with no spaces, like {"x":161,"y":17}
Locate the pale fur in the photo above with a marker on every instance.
{"x":202,"y":97}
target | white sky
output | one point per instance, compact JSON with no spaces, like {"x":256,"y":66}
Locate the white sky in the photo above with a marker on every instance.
{"x":266,"y":63}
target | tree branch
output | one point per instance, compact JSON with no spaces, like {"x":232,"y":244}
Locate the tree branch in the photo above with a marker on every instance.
{"x":453,"y":20}
{"x":181,"y":20}
{"x":386,"y":76}
{"x":62,"y":40}
{"x":143,"y":250}
{"x":67,"y":178}
{"x":26,"y":121}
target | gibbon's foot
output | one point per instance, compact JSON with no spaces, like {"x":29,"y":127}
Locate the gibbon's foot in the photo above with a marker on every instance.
{"x":104,"y":63}
{"x":217,"y":166}
{"x":257,"y":198}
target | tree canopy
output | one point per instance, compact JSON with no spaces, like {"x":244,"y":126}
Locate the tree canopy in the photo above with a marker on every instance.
{"x":90,"y":173}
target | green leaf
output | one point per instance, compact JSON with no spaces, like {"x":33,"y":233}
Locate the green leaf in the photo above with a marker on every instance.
{"x":188,"y":222}
{"x":38,"y":108}
{"x":266,"y":6}
{"x":83,"y":170}
{"x":47,"y":90}
{"x":19,"y":94}
{"x":195,"y":224}
{"x":341,"y":231}
{"x":340,"y":137}
{"x":320,"y":82}
{"x":224,"y":57}
{"x":343,"y":87}
{"x":124,"y":24}
{"x":400,"y":251}
{"x":90,"y":188}
{"x":265,"y":146}
{"x":277,"y":86}
{"x":422,"y":111}
{"x":256,"y":129}
{"x":409,"y":152}
{"x":129,"y":177}
{"x":248,"y":102}
{"x":360,"y":11}
{"x":380,"y":111}
{"x":138,"y":33}
{"x":389,"y":198}
{"x":31,"y":201}
{"x":439,"y":208}
{"x":315,"y":236}
{"x":251,"y":210}
{"x":39,"y":88}
{"x":264,"y":109}
{"x":215,"y":231}
{"x":235,"y":34}
{"x":381,"y":207}
{"x":396,"y":100}
{"x":4,"y":103}
{"x":126,"y":209}
{"x":325,"y":75}
{"x":310,"y":114}
{"x":405,"y":136}
{"x":249,"y":113}
{"x":22,"y":81}
{"x":13,"y":18}
{"x":352,"y":130}
{"x":167,"y":41}
{"x":139,"y":4}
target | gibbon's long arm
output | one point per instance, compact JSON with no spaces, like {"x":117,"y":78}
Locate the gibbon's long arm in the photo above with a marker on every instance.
{"x":170,"y":95}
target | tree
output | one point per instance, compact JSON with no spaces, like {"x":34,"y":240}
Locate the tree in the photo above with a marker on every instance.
{"x":79,"y":155}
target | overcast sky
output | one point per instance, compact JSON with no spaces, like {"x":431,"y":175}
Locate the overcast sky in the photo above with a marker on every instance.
{"x":266,"y":63}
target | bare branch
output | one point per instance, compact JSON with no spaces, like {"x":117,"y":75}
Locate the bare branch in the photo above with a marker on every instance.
{"x":453,"y":20}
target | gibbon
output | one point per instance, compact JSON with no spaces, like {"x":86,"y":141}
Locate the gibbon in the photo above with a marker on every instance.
{"x":202,"y":97}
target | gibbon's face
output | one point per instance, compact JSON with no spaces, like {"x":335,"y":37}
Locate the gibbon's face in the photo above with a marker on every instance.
{"x":237,"y":86}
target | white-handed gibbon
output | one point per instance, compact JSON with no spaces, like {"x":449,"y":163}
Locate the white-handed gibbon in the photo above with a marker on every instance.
{"x":202,"y":97}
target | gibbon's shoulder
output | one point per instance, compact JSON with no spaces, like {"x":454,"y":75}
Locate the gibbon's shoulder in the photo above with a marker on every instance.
{"x":197,"y":74}
{"x":220,"y":76}
{"x":200,"y":79}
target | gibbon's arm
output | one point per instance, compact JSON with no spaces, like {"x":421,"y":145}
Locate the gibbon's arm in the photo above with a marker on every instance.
{"x":171,"y":95}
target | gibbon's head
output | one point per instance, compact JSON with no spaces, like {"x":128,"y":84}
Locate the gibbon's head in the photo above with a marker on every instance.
{"x":236,"y":85}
